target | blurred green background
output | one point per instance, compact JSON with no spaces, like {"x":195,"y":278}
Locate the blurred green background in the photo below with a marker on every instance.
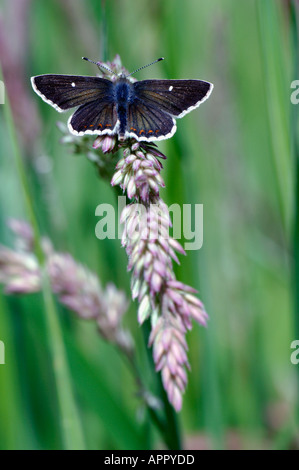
{"x":237,"y":155}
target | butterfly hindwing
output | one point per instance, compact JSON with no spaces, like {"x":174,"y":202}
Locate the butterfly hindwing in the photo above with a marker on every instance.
{"x":175,"y":97}
{"x":98,"y":117}
{"x":67,"y":91}
{"x":146,"y":122}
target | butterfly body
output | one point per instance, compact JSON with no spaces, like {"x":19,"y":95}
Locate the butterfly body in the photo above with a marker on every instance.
{"x":145,"y":110}
{"x":124,"y":95}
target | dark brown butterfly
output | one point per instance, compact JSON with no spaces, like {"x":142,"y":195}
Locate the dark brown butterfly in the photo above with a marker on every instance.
{"x":145,"y":110}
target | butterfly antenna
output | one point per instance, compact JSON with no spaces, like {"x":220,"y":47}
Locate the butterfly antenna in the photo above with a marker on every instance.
{"x":100,"y":65}
{"x":144,"y":66}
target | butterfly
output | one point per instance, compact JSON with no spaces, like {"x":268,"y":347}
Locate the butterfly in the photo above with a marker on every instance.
{"x":145,"y":110}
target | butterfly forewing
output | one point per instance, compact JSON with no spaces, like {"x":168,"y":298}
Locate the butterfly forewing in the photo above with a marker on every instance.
{"x":175,"y":97}
{"x":67,"y":91}
{"x":97,"y":117}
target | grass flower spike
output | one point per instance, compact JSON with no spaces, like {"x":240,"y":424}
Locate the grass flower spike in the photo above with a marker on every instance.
{"x":169,"y":304}
{"x":76,"y":287}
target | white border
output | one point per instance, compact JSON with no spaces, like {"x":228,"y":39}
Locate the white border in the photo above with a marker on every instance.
{"x":188,"y":110}
{"x":127,"y":135}
{"x":152,"y":138}
{"x":113,"y":131}
{"x":55,"y":106}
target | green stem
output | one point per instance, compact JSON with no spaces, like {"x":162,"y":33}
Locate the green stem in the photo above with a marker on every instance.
{"x":69,"y":416}
{"x":276,"y":101}
{"x":170,"y":430}
{"x":295,"y":148}
{"x":130,"y":361}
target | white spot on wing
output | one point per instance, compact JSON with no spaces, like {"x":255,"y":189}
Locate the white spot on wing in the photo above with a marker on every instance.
{"x":170,"y":88}
{"x":73,"y":84}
